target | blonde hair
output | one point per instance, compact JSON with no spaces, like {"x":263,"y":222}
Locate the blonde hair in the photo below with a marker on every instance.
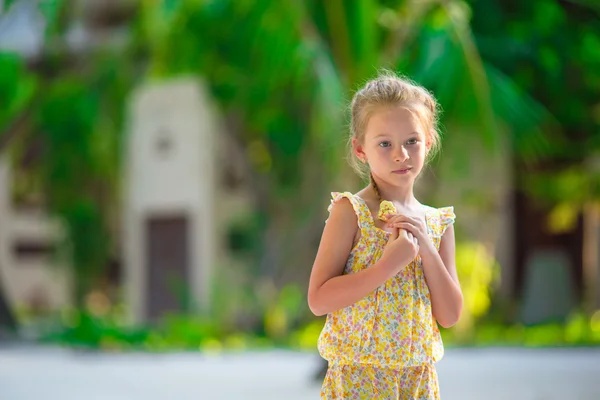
{"x":387,"y":90}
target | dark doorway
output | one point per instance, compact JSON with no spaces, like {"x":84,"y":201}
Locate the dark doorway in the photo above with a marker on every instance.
{"x":168,"y":258}
{"x":531,"y":234}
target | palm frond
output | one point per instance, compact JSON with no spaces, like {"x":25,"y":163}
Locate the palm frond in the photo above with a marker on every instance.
{"x":458,"y":26}
{"x":534,"y":132}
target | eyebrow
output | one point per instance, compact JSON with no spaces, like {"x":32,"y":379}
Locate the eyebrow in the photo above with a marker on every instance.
{"x":381,"y":135}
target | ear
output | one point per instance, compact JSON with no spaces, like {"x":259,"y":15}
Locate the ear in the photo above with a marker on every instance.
{"x":428,"y":144}
{"x":358,"y":150}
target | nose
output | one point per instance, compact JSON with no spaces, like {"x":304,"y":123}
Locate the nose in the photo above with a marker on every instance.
{"x":402,"y":155}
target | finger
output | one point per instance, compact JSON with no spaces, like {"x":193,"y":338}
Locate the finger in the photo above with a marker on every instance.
{"x":395,"y":218}
{"x":403,"y":233}
{"x":406,"y":226}
{"x":394,"y":235}
{"x":412,"y":237}
{"x":402,"y":216}
{"x":406,"y":218}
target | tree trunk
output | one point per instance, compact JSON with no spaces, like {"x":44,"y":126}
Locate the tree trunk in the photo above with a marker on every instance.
{"x":8,"y":322}
{"x":591,"y":260}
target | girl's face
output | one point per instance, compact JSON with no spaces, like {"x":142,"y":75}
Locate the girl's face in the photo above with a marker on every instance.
{"x":395,"y":145}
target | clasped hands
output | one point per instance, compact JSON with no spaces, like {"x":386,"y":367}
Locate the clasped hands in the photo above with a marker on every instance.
{"x":414,"y":228}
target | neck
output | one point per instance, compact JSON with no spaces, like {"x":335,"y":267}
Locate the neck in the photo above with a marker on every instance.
{"x":403,"y":195}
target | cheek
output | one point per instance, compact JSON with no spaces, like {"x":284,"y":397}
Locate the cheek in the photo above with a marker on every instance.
{"x":384,"y":152}
{"x":380,"y":151}
{"x":418,"y":152}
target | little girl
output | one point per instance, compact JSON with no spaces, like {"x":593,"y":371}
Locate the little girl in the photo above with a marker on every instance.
{"x":385,"y":282}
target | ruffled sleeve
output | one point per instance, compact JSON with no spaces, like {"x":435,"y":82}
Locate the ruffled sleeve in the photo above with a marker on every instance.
{"x":335,"y":197}
{"x":447,"y":218}
{"x":356,"y":205}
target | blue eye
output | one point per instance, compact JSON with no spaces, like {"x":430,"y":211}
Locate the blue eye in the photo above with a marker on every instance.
{"x":385,"y":144}
{"x":411,"y":141}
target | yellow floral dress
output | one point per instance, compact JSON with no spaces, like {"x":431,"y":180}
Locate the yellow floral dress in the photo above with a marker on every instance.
{"x":385,"y":345}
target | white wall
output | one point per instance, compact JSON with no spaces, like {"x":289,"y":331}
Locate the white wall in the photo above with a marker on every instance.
{"x":35,"y":278}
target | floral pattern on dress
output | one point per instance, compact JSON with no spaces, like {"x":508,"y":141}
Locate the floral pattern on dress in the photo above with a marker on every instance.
{"x":387,"y":342}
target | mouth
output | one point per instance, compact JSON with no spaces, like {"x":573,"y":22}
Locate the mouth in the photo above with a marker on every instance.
{"x":402,"y":171}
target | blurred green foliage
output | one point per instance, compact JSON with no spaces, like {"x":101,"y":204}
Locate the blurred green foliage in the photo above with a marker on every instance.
{"x":281,"y":74}
{"x":17,"y":86}
{"x":478,"y":275}
{"x":186,"y":332}
{"x":580,"y":330}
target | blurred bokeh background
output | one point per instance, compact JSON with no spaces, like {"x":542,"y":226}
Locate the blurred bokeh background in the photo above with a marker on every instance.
{"x":165,"y":170}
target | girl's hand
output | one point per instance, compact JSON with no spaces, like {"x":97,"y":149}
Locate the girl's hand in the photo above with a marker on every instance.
{"x":415,"y":226}
{"x":401,"y":249}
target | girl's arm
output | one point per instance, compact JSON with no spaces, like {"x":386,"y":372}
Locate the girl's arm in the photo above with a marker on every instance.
{"x":328,"y":289}
{"x":442,"y":280}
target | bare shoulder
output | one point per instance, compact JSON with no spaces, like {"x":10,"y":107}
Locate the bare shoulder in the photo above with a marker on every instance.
{"x":336,"y":243}
{"x":342,"y":217}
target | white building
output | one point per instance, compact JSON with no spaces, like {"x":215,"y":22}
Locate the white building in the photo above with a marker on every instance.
{"x":168,"y":213}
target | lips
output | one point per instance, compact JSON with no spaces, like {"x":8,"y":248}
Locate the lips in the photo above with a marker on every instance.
{"x":402,"y":171}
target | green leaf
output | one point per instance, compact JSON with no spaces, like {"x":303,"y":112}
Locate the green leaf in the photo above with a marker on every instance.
{"x":51,"y":10}
{"x":364,"y":36}
{"x":17,"y":88}
{"x":535,"y":132}
{"x":458,"y":14}
{"x":549,"y":17}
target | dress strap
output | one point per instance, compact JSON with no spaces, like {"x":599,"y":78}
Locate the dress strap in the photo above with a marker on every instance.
{"x":359,"y":207}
